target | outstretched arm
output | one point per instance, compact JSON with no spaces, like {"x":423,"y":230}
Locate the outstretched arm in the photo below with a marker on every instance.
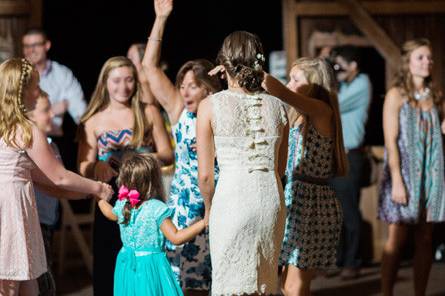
{"x":303,"y":104}
{"x":178,"y":237}
{"x":162,"y":88}
{"x":206,"y":154}
{"x":42,"y":155}
{"x":107,"y":210}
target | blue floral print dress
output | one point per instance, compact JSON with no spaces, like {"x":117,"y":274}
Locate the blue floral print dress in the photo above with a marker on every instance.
{"x":191,"y":261}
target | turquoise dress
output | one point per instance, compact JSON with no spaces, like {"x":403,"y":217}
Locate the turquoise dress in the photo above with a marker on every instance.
{"x":142,"y":267}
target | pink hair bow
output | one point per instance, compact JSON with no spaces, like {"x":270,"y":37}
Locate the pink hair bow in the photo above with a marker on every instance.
{"x":131,"y":195}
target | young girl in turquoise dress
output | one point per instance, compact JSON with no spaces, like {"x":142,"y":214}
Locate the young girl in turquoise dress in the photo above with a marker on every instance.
{"x":145,"y":221}
{"x":191,"y":262}
{"x":116,"y":120}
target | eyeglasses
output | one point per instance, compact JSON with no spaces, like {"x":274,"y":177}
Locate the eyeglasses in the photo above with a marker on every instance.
{"x":33,"y":45}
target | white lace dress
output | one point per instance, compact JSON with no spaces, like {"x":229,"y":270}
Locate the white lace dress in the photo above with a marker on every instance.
{"x":248,"y":212}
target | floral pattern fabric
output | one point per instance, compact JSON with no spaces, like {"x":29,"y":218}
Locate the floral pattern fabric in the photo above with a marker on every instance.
{"x":422,"y":168}
{"x":191,"y":261}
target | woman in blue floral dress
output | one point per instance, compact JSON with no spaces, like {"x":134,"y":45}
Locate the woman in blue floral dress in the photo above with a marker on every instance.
{"x":411,"y":193}
{"x":191,"y":261}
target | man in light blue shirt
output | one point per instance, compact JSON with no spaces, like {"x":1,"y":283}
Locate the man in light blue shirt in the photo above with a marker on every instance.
{"x":354,"y":98}
{"x":65,"y":92}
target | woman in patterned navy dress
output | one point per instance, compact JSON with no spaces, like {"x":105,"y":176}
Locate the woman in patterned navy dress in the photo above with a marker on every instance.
{"x":116,"y":120}
{"x":316,"y":154}
{"x":191,"y":262}
{"x":412,"y":186}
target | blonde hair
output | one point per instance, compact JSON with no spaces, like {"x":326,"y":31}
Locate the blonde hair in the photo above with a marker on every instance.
{"x":16,"y":76}
{"x":322,"y":86}
{"x":403,"y":79}
{"x":140,"y":171}
{"x":101,"y":99}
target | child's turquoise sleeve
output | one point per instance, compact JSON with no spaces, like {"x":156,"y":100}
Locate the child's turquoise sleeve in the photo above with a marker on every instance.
{"x":117,"y":210}
{"x":164,"y":212}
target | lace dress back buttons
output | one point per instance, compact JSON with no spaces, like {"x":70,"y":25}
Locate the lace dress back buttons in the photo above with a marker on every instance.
{"x":248,"y":212}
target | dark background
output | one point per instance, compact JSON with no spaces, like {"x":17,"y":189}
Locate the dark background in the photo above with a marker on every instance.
{"x":86,"y":33}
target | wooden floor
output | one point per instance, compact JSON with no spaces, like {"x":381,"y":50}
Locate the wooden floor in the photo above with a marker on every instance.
{"x":76,"y":282}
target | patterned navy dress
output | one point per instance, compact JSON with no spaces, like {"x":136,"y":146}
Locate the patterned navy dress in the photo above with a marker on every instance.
{"x":314,"y":216}
{"x":191,"y":261}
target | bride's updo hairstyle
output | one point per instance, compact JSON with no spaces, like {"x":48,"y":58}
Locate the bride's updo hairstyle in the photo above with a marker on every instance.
{"x":242,"y":56}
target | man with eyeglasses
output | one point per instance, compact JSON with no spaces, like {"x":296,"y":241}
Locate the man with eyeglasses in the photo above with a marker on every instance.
{"x":65,"y":92}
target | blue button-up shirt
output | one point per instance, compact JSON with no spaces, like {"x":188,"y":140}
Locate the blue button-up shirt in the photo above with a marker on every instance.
{"x":48,"y":206}
{"x":60,"y":84}
{"x":354,"y":98}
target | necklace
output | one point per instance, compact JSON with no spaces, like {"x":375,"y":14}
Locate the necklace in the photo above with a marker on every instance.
{"x":422,"y":96}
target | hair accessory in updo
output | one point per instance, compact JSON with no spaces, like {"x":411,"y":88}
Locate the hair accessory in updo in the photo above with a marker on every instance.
{"x":260,"y":59}
{"x":25,"y":75}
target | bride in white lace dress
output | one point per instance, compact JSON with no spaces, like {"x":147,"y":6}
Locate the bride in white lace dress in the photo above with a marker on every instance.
{"x":242,"y":126}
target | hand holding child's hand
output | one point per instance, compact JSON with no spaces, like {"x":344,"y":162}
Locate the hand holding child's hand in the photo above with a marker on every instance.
{"x":106,"y":191}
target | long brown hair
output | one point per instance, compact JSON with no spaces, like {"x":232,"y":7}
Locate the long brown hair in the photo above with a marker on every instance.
{"x":140,"y":171}
{"x":322,"y":86}
{"x":403,"y":79}
{"x":101,"y":99}
{"x":243,"y":58}
{"x":15,"y":77}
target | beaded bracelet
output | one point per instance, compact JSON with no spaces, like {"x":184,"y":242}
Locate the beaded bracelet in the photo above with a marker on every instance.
{"x":154,"y":39}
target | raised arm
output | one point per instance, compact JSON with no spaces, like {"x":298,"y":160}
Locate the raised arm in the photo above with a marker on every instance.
{"x":178,"y":237}
{"x":206,"y":154}
{"x":162,"y":88}
{"x":164,"y":151}
{"x":42,"y":155}
{"x":391,"y":109}
{"x":303,"y":104}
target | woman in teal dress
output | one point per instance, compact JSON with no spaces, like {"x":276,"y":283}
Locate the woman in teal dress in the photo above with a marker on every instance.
{"x":144,"y":220}
{"x":116,"y":121}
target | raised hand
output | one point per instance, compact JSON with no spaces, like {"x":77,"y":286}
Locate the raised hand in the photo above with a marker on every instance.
{"x":163,"y":8}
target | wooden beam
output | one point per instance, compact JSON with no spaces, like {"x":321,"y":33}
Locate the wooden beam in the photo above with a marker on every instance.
{"x":290,"y":32}
{"x":317,"y":8}
{"x":372,"y":30}
{"x":10,"y":8}
{"x":35,"y":19}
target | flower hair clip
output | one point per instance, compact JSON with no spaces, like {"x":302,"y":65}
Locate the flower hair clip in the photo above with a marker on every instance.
{"x":259,"y":58}
{"x":131,"y":195}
